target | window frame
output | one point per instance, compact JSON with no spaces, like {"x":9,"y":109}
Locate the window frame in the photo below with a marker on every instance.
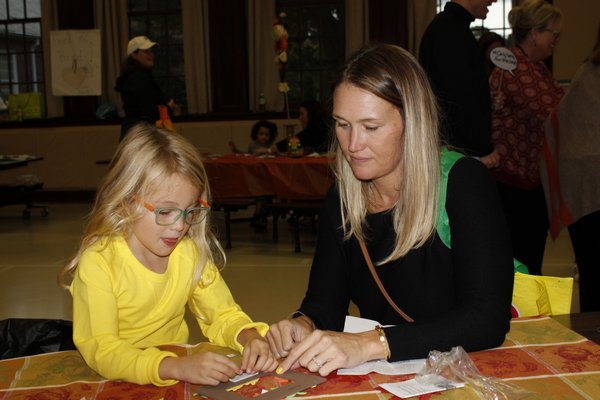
{"x":300,"y":73}
{"x":23,"y":69}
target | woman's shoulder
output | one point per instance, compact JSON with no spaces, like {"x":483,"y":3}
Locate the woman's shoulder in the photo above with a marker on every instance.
{"x":470,"y":186}
{"x":468,"y":172}
{"x":587,"y":74}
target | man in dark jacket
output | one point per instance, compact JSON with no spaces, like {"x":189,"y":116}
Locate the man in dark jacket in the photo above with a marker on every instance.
{"x":455,"y":65}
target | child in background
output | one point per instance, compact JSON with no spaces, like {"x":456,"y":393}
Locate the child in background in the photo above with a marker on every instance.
{"x":263,"y":135}
{"x":147,"y":250}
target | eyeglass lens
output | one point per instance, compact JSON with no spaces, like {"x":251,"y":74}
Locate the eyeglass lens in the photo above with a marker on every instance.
{"x":168,"y":216}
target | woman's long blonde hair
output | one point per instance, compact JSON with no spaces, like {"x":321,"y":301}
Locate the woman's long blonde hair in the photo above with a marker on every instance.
{"x":394,"y":75}
{"x":145,"y":157}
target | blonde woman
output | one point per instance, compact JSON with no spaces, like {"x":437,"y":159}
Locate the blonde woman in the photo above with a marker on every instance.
{"x":389,"y":195}
{"x":147,"y":251}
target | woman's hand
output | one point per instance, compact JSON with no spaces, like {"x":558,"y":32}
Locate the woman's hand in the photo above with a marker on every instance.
{"x":199,"y":369}
{"x":326,"y":351}
{"x":284,"y":335}
{"x":257,"y":355}
{"x":492,"y":160}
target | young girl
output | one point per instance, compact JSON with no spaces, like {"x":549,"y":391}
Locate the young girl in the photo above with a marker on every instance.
{"x":146,"y":251}
{"x":263,"y":135}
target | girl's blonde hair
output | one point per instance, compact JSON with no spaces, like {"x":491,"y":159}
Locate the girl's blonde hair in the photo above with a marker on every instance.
{"x":394,"y":75}
{"x":145,"y":158}
{"x":531,"y":14}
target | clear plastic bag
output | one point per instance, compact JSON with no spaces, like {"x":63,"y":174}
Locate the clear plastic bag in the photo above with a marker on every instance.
{"x":456,"y":365}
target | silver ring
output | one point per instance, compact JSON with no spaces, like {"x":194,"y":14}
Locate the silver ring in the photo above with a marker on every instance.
{"x":318,"y":364}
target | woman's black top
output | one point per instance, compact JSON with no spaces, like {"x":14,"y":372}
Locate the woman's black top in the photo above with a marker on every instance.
{"x":459,"y":296}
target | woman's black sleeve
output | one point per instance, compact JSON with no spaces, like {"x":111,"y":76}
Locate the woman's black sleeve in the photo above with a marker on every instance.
{"x":327,"y":297}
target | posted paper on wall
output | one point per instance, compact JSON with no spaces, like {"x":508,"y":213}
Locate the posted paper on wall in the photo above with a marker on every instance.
{"x":75,"y":62}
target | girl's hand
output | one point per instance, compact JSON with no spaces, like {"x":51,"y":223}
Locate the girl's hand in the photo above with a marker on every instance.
{"x":257,"y":356}
{"x":284,"y":335}
{"x":326,"y":351}
{"x":199,"y":369}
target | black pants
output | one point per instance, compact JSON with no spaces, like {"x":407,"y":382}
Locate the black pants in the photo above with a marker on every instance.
{"x":585,"y":237}
{"x":527,"y":218}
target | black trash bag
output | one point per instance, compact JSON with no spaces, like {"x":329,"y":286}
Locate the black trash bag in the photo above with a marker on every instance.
{"x":20,"y":337}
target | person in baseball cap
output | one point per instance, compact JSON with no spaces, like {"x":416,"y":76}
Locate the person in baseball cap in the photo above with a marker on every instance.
{"x":141,"y":95}
{"x":139,"y":43}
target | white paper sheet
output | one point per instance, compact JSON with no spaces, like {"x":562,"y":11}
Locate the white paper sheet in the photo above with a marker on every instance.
{"x":357,"y":324}
{"x":412,"y":387}
{"x":385,"y":368}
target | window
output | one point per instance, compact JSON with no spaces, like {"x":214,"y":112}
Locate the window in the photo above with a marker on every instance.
{"x":315,"y":46}
{"x":496,"y":21}
{"x":21,"y":62}
{"x":161,"y":22}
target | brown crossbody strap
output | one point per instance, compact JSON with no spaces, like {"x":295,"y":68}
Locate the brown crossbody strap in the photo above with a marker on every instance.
{"x":363,"y":247}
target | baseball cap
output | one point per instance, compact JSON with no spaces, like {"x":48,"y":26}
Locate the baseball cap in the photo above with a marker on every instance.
{"x":139,"y":43}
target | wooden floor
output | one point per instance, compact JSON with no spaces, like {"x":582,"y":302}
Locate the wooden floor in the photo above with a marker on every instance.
{"x":267,"y":279}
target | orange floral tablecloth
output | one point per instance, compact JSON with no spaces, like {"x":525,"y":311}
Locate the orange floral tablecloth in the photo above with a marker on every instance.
{"x":539,"y":355}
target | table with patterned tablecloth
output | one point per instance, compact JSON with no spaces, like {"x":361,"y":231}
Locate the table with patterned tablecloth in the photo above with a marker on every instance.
{"x":539,"y":355}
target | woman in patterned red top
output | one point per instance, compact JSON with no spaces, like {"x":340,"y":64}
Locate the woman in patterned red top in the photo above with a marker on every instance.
{"x":522,"y":102}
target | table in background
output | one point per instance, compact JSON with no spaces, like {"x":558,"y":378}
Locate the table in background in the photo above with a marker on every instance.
{"x":15,"y":161}
{"x":238,"y":175}
{"x":9,"y":164}
{"x":586,"y":324}
{"x":21,"y":189}
{"x":539,"y":354}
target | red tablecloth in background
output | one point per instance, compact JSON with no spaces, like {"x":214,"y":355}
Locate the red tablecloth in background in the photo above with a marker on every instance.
{"x":238,"y":175}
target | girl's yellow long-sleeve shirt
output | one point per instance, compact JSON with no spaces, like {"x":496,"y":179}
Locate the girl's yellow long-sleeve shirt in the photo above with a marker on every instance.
{"x":122,"y":310}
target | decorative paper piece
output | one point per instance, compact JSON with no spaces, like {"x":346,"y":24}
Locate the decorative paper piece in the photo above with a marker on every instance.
{"x":242,"y":376}
{"x":265,"y":386}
